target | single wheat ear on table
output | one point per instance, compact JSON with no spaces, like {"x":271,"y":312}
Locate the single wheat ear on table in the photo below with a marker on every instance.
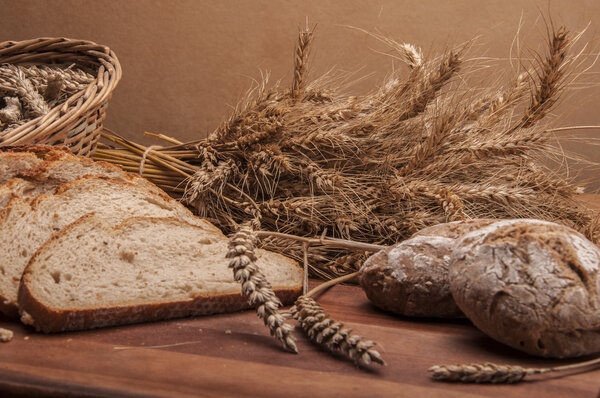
{"x":256,"y":287}
{"x":328,"y":333}
{"x":496,"y":374}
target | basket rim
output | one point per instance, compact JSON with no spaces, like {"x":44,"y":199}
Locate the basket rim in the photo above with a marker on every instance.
{"x":96,"y":94}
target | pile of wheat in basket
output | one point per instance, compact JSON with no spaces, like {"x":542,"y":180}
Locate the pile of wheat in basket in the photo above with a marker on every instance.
{"x":63,"y":85}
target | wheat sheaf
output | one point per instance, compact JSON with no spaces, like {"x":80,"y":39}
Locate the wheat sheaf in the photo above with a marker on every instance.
{"x":417,"y":151}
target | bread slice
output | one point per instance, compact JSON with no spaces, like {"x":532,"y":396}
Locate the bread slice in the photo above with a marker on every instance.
{"x":45,"y":176}
{"x":91,"y":275}
{"x":24,"y":226}
{"x":16,"y":159}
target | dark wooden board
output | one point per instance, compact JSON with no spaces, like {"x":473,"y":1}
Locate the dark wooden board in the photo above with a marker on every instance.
{"x":232,"y":355}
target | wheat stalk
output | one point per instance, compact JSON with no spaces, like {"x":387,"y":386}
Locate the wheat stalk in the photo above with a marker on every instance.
{"x":494,"y":373}
{"x":256,"y":287}
{"x":301,"y":62}
{"x":432,"y":83}
{"x":550,"y":79}
{"x":316,"y":323}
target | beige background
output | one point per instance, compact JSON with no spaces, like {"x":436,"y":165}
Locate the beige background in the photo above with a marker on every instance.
{"x":186,"y":63}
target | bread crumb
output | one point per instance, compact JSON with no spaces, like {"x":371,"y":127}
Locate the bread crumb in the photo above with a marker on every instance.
{"x":5,"y":335}
{"x":228,"y":331}
{"x":26,"y":318}
{"x":26,"y":338}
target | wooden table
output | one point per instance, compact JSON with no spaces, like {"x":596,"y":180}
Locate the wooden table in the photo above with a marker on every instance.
{"x":232,"y":355}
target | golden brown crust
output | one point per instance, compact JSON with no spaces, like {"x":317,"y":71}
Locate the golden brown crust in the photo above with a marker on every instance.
{"x":128,"y":181}
{"x":45,"y":152}
{"x":41,"y":169}
{"x":65,"y":187}
{"x":50,"y":320}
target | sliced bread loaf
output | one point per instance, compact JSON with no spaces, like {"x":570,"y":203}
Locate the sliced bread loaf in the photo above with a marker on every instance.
{"x":24,"y":226}
{"x":91,"y":275}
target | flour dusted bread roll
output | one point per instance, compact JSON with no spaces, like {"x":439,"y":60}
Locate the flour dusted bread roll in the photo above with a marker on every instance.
{"x":25,"y":226}
{"x":411,"y":277}
{"x":532,"y":285}
{"x":91,"y":275}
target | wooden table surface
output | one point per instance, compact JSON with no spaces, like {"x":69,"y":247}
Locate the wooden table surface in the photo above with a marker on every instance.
{"x":232,"y":355}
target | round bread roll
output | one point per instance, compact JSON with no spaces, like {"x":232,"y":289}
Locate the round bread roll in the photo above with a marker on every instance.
{"x":411,"y":277}
{"x":532,"y":285}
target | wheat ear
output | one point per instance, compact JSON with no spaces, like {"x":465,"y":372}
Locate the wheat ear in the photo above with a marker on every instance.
{"x":494,"y":373}
{"x":256,"y":287}
{"x":301,"y":62}
{"x":331,"y":334}
{"x":34,"y":102}
{"x":316,"y":323}
{"x":550,"y":79}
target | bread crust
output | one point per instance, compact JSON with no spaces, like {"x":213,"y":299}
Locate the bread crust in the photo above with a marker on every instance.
{"x":532,"y":285}
{"x":49,"y":320}
{"x":42,"y":168}
{"x":39,"y":173}
{"x":41,"y":151}
{"x":51,"y":157}
{"x":81,"y":181}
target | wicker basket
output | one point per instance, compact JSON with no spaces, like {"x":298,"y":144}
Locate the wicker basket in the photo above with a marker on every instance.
{"x":77,"y":122}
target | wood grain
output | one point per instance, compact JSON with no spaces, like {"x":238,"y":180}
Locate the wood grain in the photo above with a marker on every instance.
{"x":232,"y":355}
